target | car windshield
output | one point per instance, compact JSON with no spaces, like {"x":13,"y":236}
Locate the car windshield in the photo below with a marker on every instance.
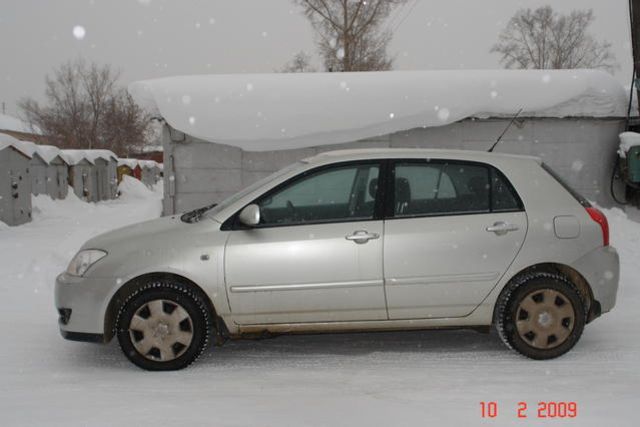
{"x":237,"y":196}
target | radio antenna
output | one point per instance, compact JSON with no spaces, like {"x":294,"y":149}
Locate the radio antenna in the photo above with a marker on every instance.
{"x":505,"y":131}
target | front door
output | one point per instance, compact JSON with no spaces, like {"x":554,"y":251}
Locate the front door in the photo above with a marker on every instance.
{"x":316,"y":255}
{"x":453,"y":230}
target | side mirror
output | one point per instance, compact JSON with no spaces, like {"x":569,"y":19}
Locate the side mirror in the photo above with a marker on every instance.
{"x":250,"y":215}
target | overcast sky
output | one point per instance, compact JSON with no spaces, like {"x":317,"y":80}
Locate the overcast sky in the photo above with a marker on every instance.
{"x":154,"y":38}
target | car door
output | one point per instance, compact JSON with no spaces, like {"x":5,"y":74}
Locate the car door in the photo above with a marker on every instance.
{"x":453,"y":229}
{"x":316,"y":255}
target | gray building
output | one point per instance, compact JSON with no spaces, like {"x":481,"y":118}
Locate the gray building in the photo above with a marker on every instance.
{"x":149,"y":173}
{"x":37,"y":167}
{"x":57,"y":171}
{"x":222,"y":133}
{"x":106,"y":173}
{"x":15,"y":182}
{"x":92,"y":174}
{"x":81,"y":175}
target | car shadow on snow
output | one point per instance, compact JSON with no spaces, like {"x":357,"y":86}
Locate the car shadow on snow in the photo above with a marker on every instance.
{"x":442,"y":344}
{"x":328,"y":349}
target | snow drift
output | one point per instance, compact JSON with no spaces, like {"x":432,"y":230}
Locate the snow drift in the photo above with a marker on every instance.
{"x":280,"y":111}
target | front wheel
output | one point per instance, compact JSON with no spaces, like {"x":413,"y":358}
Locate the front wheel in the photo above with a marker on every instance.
{"x":164,"y":326}
{"x":541,"y":315}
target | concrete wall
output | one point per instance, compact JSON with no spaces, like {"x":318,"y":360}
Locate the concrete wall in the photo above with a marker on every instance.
{"x":15,"y":188}
{"x":198,"y":172}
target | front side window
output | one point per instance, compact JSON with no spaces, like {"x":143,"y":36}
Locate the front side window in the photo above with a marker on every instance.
{"x":341,"y":193}
{"x":440,"y":188}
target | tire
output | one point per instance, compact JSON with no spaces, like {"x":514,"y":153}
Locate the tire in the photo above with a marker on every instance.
{"x":164,"y":326}
{"x":540,"y":315}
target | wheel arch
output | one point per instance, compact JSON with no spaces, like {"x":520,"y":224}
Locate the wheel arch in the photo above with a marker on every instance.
{"x":592,"y":306}
{"x":120,"y":297}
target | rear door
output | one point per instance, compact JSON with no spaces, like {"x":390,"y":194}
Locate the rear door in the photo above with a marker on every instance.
{"x":452,"y":230}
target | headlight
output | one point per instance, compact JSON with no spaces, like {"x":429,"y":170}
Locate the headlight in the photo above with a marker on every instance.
{"x":83,"y":260}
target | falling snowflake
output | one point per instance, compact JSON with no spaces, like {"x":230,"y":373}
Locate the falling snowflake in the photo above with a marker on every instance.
{"x":192,"y":120}
{"x":340,"y":53}
{"x":546,"y":78}
{"x":577,"y":165}
{"x":443,"y":114}
{"x":79,"y":32}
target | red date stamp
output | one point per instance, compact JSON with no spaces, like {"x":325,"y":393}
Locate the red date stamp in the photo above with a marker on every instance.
{"x":550,"y":409}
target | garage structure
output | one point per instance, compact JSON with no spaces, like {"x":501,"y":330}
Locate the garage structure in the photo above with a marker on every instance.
{"x":150,"y":172}
{"x":126,"y":167}
{"x":105,"y":171}
{"x":57,"y":171}
{"x":15,"y":182}
{"x":81,"y":176}
{"x":93,"y":174}
{"x":37,"y":167}
{"x":236,"y":129}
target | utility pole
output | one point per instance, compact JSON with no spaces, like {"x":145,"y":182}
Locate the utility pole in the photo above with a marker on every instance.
{"x":634,"y":12}
{"x":4,"y":108}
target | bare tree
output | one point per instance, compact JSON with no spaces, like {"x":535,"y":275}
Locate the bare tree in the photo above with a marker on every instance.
{"x":85,"y":108}
{"x":544,"y":39}
{"x":350,"y":33}
{"x":300,"y":63}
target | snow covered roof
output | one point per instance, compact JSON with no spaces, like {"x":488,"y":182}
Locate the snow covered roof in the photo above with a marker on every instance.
{"x":74,"y":157}
{"x":279,"y":111}
{"x":148,"y":164}
{"x":9,"y":141}
{"x":49,"y":152}
{"x":107,"y":155}
{"x":14,"y":124}
{"x":131,"y":163}
{"x":28,"y":147}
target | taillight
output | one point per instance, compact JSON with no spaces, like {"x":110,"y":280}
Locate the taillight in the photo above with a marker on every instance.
{"x":599,"y":217}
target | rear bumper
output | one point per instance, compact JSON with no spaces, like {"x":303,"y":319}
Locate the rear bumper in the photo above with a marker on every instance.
{"x":601,"y":269}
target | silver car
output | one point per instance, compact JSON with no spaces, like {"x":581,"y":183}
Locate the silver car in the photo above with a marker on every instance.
{"x":359,"y":240}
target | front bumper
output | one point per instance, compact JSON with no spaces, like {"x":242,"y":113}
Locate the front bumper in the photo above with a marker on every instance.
{"x":601,"y":269}
{"x":81,"y":303}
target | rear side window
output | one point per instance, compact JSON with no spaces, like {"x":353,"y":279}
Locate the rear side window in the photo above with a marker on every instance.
{"x":579,"y":197}
{"x":440,"y":188}
{"x":503,"y":196}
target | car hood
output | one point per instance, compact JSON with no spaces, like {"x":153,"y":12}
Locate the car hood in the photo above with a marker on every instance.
{"x":135,"y":234}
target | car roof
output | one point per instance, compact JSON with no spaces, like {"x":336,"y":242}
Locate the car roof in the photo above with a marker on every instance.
{"x":401,"y":153}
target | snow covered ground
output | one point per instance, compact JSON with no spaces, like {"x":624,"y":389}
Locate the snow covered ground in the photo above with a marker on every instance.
{"x":381,"y":379}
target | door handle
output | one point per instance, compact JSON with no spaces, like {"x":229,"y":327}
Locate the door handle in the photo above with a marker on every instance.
{"x":502,"y":228}
{"x":362,"y":236}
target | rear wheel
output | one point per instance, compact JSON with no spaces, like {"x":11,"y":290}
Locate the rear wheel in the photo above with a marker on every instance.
{"x":164,"y":326}
{"x":541,"y":315}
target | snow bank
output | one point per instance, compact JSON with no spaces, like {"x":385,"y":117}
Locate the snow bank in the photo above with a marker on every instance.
{"x":628,"y":140}
{"x":280,"y":111}
{"x":132,"y":188}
